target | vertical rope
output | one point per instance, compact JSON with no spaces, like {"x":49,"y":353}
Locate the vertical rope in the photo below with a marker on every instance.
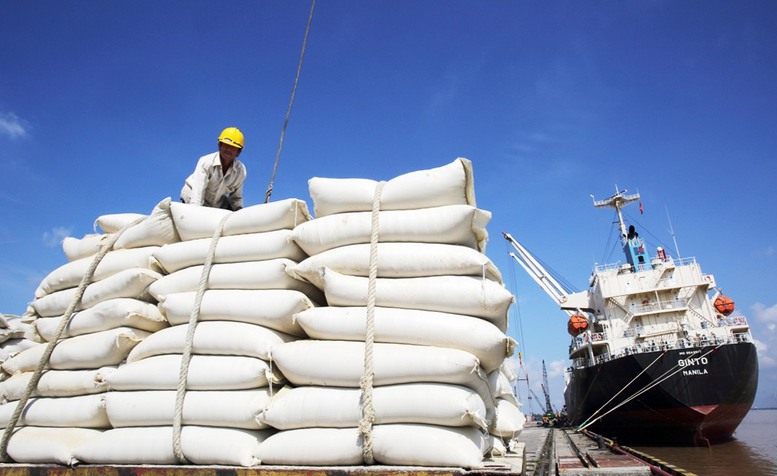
{"x":38,"y":372}
{"x":189,"y":343}
{"x":367,"y":410}
{"x":291,"y":101}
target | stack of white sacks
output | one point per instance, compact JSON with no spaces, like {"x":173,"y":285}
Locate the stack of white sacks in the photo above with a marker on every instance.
{"x":440,"y":318}
{"x":246,"y":309}
{"x":278,"y":350}
{"x":68,"y":406}
{"x":16,"y":335}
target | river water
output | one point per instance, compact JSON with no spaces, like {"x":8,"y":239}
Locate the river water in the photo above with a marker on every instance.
{"x":752,"y":452}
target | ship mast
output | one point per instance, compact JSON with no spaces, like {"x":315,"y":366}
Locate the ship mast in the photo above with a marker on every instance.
{"x":633,"y":246}
{"x":618,"y":201}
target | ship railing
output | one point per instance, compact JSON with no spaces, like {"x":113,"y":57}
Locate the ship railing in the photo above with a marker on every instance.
{"x":653,"y":307}
{"x":617,"y":265}
{"x":741,"y":337}
{"x":586,"y":338}
{"x":684,"y":261}
{"x":607,"y":267}
{"x":675,"y":261}
{"x":657,"y":329}
{"x":704,"y":340}
{"x":736,"y":321}
{"x":683,"y":343}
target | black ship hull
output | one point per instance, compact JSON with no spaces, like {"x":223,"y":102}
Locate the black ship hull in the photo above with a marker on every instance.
{"x":691,"y":396}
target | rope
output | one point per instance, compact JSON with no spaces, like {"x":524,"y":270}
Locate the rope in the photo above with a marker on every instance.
{"x":291,"y":101}
{"x":189,"y":343}
{"x":667,"y":375}
{"x":586,"y":424}
{"x":367,"y":410}
{"x":38,"y":372}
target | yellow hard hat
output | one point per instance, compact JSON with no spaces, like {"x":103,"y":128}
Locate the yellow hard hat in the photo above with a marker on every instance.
{"x":232,"y":136}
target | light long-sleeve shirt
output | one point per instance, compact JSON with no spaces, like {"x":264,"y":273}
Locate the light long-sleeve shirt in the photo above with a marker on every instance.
{"x":209,"y":186}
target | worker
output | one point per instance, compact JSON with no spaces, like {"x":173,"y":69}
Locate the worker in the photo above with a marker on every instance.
{"x":217,"y":180}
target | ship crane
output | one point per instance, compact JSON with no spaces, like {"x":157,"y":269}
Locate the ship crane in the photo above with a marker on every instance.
{"x":576,"y":305}
{"x":571,"y":303}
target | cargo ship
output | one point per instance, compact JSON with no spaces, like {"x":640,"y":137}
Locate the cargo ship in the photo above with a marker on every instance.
{"x":657,"y":354}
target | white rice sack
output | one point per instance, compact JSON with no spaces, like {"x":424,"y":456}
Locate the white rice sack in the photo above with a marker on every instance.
{"x":341,"y":364}
{"x":331,"y":407}
{"x":113,"y":222}
{"x":58,"y":383}
{"x":212,"y":338}
{"x":89,"y":351}
{"x":450,"y":184}
{"x":507,"y":369}
{"x":454,"y":294}
{"x":83,"y":411}
{"x":398,"y":260}
{"x":41,"y":445}
{"x":13,"y":346}
{"x":232,"y":409}
{"x":70,"y":274}
{"x":229,"y":249}
{"x":110,"y":314}
{"x":79,"y":248}
{"x":154,"y":445}
{"x":130,"y":283}
{"x":156,"y":230}
{"x":24,"y":325}
{"x":509,"y":420}
{"x":7,"y":334}
{"x":206,"y":372}
{"x":270,"y":274}
{"x":193,"y":222}
{"x":500,"y":382}
{"x":411,"y":326}
{"x":429,"y":445}
{"x":313,"y":447}
{"x":498,"y":447}
{"x":272,"y":308}
{"x":454,"y":224}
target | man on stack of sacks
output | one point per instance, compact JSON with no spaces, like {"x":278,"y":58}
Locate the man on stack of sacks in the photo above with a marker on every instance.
{"x":372,"y":334}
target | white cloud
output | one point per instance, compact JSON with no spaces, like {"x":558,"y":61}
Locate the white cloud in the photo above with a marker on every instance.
{"x":556,"y":368}
{"x":766,"y":315}
{"x":12,"y":125}
{"x":533,"y":370}
{"x":54,"y":237}
{"x":764,"y":359}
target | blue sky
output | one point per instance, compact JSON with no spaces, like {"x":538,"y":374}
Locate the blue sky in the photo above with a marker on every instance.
{"x":106,"y":106}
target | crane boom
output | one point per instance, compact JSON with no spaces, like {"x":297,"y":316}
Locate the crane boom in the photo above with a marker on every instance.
{"x":570,"y":302}
{"x":548,"y":406}
{"x":538,"y":272}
